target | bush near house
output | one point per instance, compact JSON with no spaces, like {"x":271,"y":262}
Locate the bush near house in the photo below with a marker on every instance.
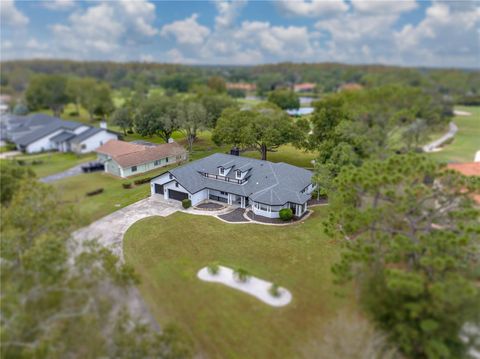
{"x":127,"y":185}
{"x":241,"y":275}
{"x":186,"y":203}
{"x":274,"y":290}
{"x":286,"y":214}
{"x":142,"y":181}
{"x":213,"y":268}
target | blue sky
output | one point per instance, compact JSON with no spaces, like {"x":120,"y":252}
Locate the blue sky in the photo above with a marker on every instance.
{"x":403,"y":32}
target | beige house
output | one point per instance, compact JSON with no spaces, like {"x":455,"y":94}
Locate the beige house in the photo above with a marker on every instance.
{"x":126,"y":159}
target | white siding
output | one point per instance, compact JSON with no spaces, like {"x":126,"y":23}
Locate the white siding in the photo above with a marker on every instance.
{"x":92,"y":143}
{"x":43,"y":144}
{"x":80,"y":129}
{"x":172,"y":185}
{"x":159,"y":180}
{"x":199,"y":197}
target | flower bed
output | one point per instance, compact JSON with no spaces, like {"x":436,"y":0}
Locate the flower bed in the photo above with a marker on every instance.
{"x":259,"y":288}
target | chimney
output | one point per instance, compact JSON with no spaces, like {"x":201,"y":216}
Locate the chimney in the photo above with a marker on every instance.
{"x":103,"y":124}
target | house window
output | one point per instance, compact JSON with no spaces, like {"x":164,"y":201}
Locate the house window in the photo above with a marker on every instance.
{"x":157,"y":163}
{"x":134,"y":169}
{"x":83,"y":146}
{"x":221,"y":170}
{"x":238,"y":174}
{"x":224,"y":193}
{"x":176,"y":184}
{"x":171,"y":176}
{"x":166,"y":159}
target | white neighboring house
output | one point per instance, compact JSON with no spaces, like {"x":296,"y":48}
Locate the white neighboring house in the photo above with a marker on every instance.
{"x":263,"y":186}
{"x":38,"y":133}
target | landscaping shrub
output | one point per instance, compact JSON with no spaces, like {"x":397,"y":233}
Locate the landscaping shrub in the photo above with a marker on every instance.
{"x":213,"y":268}
{"x":142,"y":181}
{"x":73,"y":113}
{"x":186,"y":203}
{"x":95,"y":192}
{"x":127,"y":185}
{"x":37,"y":162}
{"x":286,"y":214}
{"x":130,"y":132}
{"x":274,"y":290}
{"x":21,"y":162}
{"x":241,"y":275}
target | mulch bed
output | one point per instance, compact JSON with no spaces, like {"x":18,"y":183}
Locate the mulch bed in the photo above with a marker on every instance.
{"x":209,"y":206}
{"x":236,"y":216}
{"x":257,"y":218}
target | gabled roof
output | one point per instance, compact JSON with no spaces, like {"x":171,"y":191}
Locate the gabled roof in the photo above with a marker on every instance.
{"x":128,"y":154}
{"x":86,"y":134}
{"x":62,"y":136}
{"x":46,"y":130}
{"x":269,"y":183}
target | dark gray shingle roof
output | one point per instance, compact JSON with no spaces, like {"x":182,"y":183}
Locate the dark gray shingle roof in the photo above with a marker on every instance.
{"x":269,"y":183}
{"x":63,"y":136}
{"x":86,"y":134}
{"x":48,"y":128}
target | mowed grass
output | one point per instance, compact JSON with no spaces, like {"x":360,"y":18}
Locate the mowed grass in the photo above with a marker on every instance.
{"x":54,"y":162}
{"x":226,"y":323}
{"x":467,"y":140}
{"x":73,"y":191}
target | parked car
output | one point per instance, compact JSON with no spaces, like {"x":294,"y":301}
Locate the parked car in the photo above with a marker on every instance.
{"x":93,"y":166}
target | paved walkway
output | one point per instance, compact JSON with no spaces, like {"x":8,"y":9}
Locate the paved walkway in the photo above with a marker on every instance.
{"x":434,"y":146}
{"x":74,"y":171}
{"x":9,"y":154}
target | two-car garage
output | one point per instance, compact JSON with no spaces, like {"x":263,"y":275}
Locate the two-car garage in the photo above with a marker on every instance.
{"x":177,"y":195}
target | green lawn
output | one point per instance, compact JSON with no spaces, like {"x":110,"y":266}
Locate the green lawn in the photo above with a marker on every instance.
{"x":54,"y":162}
{"x":73,"y":191}
{"x":467,"y":140}
{"x":223,"y":322}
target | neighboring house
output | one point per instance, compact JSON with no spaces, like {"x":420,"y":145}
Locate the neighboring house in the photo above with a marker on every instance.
{"x":304,"y":87}
{"x":264,"y":186}
{"x":467,"y":169}
{"x":125,"y":159}
{"x":39,"y":132}
{"x":351,"y":86}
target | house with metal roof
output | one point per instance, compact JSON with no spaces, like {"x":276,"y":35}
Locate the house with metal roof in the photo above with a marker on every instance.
{"x":263,"y":186}
{"x":39,"y":132}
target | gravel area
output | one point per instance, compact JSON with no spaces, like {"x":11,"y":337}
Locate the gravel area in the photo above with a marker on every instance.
{"x":210,"y":206}
{"x":236,"y":216}
{"x":261,"y":219}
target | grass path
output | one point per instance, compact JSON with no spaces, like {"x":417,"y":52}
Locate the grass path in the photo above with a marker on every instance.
{"x":226,"y":323}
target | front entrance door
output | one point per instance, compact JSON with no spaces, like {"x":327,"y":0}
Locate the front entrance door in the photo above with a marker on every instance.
{"x":159,"y":188}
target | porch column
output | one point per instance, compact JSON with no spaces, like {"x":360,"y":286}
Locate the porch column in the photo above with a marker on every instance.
{"x":229,"y":199}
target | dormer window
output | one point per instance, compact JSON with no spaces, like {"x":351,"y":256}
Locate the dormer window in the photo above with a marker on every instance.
{"x":221,"y":171}
{"x":238,"y":174}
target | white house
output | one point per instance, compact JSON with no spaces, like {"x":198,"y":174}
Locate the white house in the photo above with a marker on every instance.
{"x":263,"y":186}
{"x":38,"y":133}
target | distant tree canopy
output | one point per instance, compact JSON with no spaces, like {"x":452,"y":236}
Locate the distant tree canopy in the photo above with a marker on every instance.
{"x":350,"y":127}
{"x":411,"y":245}
{"x":285,"y":99}
{"x":263,"y":128}
{"x":47,"y":91}
{"x":217,"y":84}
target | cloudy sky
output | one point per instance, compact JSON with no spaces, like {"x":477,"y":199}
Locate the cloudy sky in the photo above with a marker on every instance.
{"x":402,"y":32}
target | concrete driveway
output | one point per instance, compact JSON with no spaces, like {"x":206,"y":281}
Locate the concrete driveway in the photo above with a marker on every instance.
{"x":110,"y":229}
{"x":74,"y":171}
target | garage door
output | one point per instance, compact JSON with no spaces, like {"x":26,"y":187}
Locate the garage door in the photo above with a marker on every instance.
{"x":159,"y":188}
{"x":179,"y":196}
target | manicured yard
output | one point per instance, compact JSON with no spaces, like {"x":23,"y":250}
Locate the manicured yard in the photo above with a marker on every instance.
{"x":467,"y":140}
{"x":73,"y":191}
{"x":224,"y":322}
{"x":54,"y":162}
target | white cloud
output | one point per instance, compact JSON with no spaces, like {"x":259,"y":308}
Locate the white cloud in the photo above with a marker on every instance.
{"x":59,"y":5}
{"x":33,"y":44}
{"x":227,"y":12}
{"x":187,"y":32}
{"x":106,"y":27}
{"x":10,"y":15}
{"x":384,"y":7}
{"x":313,"y":8}
{"x":447,"y":36}
{"x":147,"y":58}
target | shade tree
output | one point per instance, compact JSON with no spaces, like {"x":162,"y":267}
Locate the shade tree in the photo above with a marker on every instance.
{"x":47,"y":92}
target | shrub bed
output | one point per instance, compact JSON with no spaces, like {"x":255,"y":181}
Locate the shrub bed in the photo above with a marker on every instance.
{"x":95,"y":192}
{"x":127,"y":185}
{"x":142,"y":181}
